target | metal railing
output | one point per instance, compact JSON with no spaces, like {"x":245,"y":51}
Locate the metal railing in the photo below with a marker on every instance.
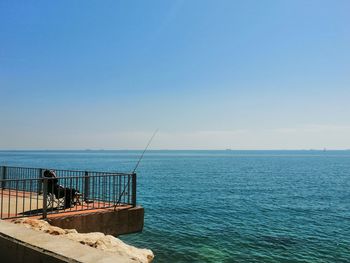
{"x":27,"y":192}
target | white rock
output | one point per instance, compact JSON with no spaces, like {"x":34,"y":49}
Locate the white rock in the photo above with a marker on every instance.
{"x":97,"y":240}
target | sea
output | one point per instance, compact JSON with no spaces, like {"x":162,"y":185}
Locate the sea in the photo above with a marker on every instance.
{"x":228,"y":206}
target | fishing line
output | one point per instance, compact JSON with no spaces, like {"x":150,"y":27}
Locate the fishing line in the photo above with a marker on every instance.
{"x":149,"y":142}
{"x":137,"y":164}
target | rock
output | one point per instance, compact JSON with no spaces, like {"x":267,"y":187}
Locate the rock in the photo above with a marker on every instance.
{"x":69,"y":231}
{"x":96,"y":240}
{"x":40,"y":225}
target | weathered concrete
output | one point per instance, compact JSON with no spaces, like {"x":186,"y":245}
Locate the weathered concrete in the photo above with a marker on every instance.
{"x":19,"y":244}
{"x":15,"y":251}
{"x":107,"y":221}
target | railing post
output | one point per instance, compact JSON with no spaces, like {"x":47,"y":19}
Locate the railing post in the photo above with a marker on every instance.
{"x":4,"y":176}
{"x":86,"y":186}
{"x":44,"y":198}
{"x":40,"y":185}
{"x":133,"y":182}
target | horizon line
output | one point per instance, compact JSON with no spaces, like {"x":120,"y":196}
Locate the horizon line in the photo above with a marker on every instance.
{"x":228,"y":149}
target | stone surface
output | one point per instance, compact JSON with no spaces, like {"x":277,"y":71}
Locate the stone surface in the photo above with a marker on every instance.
{"x":96,"y":240}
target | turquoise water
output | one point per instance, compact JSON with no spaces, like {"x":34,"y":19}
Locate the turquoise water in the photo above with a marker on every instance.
{"x":230,"y":206}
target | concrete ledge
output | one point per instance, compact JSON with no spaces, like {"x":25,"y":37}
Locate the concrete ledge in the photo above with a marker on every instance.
{"x":22,"y":245}
{"x":15,"y":251}
{"x":109,"y":222}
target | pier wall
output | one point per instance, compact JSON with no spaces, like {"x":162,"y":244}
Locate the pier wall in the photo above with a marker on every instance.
{"x":109,"y":222}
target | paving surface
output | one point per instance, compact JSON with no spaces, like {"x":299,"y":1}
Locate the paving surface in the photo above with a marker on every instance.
{"x":22,"y":203}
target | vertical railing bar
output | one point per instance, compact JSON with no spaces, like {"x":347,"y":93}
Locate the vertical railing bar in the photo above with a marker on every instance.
{"x":134,"y":185}
{"x":37,"y":198}
{"x":124,"y":189}
{"x":65,"y":191}
{"x":76,"y":188}
{"x":128,"y":190}
{"x":30,"y":201}
{"x":16,"y":183}
{"x":58,"y":198}
{"x":82,"y":183}
{"x":86,"y":186}
{"x":96,"y":190}
{"x":107,"y":190}
{"x":39,"y":186}
{"x":24,"y":200}
{"x":4,"y":177}
{"x":109,"y":178}
{"x":64,"y":195}
{"x":45,"y":198}
{"x":120,"y":191}
{"x":100,"y":184}
{"x":2,"y":201}
{"x":69,"y":189}
{"x":113,"y":194}
{"x":129,"y":179}
{"x":93,"y":190}
{"x":99,"y":191}
{"x":103,"y":192}
{"x":9,"y":206}
{"x":70,"y":194}
{"x":53,"y":198}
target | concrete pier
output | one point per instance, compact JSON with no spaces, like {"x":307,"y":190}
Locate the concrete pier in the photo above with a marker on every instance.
{"x":123,"y":219}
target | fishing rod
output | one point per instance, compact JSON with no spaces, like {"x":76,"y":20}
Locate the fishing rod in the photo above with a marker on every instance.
{"x":137,"y":164}
{"x":149,"y":142}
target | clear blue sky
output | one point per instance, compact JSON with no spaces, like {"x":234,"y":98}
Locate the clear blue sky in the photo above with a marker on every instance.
{"x":209,"y":74}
